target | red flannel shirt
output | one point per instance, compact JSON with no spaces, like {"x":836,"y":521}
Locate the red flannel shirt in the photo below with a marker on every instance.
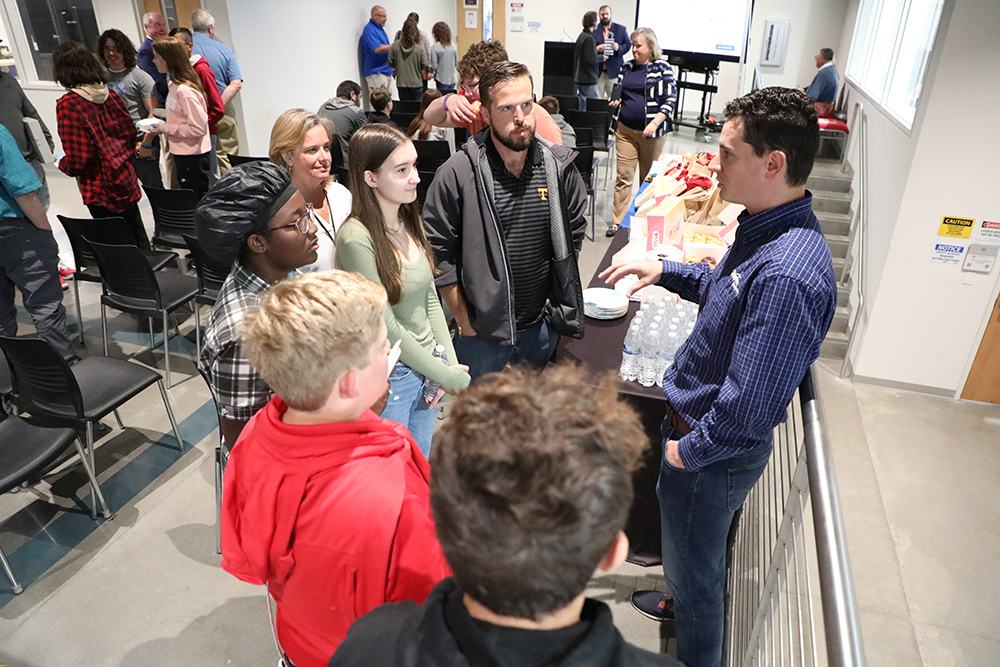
{"x":99,"y":140}
{"x":213,"y":99}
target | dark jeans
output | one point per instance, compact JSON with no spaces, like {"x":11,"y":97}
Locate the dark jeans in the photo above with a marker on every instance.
{"x":534,"y":348}
{"x":29,"y":260}
{"x":410,"y":94}
{"x":445,"y":88}
{"x":696,"y":511}
{"x":132,"y":218}
{"x":192,"y":172}
{"x":148,"y":169}
{"x":43,"y":192}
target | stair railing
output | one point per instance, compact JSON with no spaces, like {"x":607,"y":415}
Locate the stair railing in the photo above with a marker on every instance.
{"x":858,"y":135}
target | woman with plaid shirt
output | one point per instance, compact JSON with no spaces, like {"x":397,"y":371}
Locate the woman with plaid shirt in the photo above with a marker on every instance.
{"x":98,"y":138}
{"x":648,"y":98}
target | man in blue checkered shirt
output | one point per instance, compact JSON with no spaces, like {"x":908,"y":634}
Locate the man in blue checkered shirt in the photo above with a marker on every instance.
{"x":764,"y":312}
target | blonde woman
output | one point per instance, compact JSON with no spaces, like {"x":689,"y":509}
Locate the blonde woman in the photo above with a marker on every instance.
{"x":643,"y":115}
{"x":187,"y":115}
{"x":384,"y":240}
{"x":301,"y":143}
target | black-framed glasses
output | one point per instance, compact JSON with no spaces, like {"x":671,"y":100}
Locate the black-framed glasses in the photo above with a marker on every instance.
{"x":302,"y":224}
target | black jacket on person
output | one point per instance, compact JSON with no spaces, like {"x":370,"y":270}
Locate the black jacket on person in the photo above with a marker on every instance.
{"x":467,"y":239}
{"x":441,"y":633}
{"x":586,"y":59}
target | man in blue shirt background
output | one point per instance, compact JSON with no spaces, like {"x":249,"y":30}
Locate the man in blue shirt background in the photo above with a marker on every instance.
{"x":222,"y":60}
{"x":374,"y":48}
{"x":764,"y":312}
{"x":29,"y":256}
{"x":825,"y":84}
{"x":617,"y":35}
{"x":155,"y":26}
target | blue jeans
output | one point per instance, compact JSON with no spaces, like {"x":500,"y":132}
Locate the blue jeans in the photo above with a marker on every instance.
{"x":534,"y":348}
{"x":407,"y":406}
{"x":585,"y":91}
{"x":696,"y":511}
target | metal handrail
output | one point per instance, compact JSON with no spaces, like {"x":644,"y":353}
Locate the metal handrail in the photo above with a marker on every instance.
{"x":844,"y":645}
{"x":859,"y":226}
{"x":758,"y":79}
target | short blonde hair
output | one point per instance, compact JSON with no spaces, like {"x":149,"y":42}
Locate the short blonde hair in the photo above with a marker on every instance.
{"x":310,"y":330}
{"x":655,"y":52}
{"x":289,"y":132}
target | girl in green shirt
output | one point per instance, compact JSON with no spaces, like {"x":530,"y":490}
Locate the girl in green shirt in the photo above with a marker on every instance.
{"x":384,"y":240}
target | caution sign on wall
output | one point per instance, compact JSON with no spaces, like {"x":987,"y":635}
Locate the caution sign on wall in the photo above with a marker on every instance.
{"x":956,"y":228}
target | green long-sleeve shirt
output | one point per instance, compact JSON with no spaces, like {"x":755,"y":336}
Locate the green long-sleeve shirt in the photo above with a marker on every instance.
{"x":417,"y":320}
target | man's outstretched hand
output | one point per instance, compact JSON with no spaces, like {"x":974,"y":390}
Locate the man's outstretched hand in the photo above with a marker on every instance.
{"x":648,"y":272}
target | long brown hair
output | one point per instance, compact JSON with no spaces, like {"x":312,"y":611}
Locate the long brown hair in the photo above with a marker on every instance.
{"x":410,"y":35}
{"x":370,"y":147}
{"x":178,"y":63}
{"x":419,"y":126}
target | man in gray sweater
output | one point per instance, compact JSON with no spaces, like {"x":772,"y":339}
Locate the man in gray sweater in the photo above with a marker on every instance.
{"x":344,"y":111}
{"x":14,"y":108}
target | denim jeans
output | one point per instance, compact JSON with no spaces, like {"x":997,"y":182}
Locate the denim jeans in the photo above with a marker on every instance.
{"x":696,"y":511}
{"x":534,"y":348}
{"x":583,"y":91}
{"x":407,"y":406}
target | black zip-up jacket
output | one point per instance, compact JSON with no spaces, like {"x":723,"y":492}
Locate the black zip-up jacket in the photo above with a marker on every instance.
{"x":467,"y":240}
{"x":440,"y":633}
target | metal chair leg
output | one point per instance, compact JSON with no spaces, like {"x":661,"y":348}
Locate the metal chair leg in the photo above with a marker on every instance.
{"x":166,"y":347}
{"x":10,"y":573}
{"x":119,"y":420}
{"x":218,"y":500}
{"x":170,"y":414}
{"x":79,"y":311}
{"x":94,"y":486}
{"x":152,"y":341}
{"x":177,"y":328}
{"x":104,"y":328}
{"x":90,"y":455}
{"x":197,"y":330}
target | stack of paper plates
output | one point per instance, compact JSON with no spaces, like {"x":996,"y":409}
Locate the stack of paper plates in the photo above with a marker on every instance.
{"x":604,"y":304}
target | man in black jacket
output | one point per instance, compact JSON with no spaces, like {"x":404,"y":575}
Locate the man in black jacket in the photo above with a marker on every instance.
{"x":524,"y":519}
{"x":505,"y":217}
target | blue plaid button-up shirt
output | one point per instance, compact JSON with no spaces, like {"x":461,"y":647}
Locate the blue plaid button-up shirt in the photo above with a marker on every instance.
{"x":764,"y":312}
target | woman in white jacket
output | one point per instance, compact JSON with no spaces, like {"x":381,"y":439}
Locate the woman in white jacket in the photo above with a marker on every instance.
{"x":301,"y":143}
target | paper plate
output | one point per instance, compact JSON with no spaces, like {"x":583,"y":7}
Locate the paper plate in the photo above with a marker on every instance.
{"x":146,"y":124}
{"x":604,"y":304}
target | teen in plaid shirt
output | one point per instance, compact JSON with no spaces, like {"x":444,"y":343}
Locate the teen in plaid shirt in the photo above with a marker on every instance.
{"x":257,"y":220}
{"x":98,"y":137}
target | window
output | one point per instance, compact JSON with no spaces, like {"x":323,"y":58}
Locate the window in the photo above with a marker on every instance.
{"x":48,"y":23}
{"x":890,"y":50}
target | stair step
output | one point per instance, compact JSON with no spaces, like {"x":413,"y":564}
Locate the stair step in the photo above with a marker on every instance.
{"x":819,"y":183}
{"x":838,"y":244}
{"x":831,"y":167}
{"x":843,"y":294}
{"x":835,"y":223}
{"x":832,"y":202}
{"x":841,"y":318}
{"x":838,"y":268}
{"x":834,"y":346}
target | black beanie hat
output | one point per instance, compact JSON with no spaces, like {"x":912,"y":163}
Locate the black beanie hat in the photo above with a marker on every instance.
{"x":241,"y":203}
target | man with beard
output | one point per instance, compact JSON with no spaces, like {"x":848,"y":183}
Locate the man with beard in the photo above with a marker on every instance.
{"x":613,"y":42}
{"x":505,"y":217}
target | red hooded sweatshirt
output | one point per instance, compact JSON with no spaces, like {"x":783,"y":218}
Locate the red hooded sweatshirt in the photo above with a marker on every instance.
{"x":334,"y":518}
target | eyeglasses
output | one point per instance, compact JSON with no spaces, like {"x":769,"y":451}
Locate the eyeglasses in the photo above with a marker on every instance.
{"x":302,"y":224}
{"x":470,"y":87}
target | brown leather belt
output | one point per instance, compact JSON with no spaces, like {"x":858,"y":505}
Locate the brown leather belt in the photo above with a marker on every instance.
{"x":677,"y":420}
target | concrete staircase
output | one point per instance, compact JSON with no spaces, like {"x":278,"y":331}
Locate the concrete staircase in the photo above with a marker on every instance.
{"x":832,"y":204}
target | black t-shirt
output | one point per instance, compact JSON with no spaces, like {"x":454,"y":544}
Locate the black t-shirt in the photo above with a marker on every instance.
{"x":522,"y":207}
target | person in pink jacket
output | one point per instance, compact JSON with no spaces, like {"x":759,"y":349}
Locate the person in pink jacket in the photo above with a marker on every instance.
{"x":187,"y":115}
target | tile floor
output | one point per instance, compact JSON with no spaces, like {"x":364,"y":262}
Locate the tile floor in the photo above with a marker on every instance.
{"x":918,"y":478}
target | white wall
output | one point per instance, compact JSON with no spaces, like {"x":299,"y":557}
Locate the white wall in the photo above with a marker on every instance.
{"x":814,"y":25}
{"x":293,"y":54}
{"x":926,"y":323}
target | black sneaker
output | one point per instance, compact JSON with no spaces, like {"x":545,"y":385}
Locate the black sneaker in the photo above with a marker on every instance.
{"x":656,"y":605}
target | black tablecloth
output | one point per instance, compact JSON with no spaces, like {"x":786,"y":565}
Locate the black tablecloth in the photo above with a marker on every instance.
{"x":600,"y":352}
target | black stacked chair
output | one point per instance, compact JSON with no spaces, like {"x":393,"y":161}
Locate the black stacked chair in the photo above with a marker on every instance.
{"x":584,"y":136}
{"x":585,"y":164}
{"x":567,"y":103}
{"x":431,"y":154}
{"x":599,"y":104}
{"x":211,"y":276}
{"x":237,"y":160}
{"x":402,"y":119}
{"x":221,"y":459}
{"x":57,"y":394}
{"x":28,"y":449}
{"x":598,"y":121}
{"x":173,"y":215}
{"x":131,"y":286}
{"x":426,"y":178}
{"x":337,"y":164}
{"x":113,"y":231}
{"x":406,"y":106}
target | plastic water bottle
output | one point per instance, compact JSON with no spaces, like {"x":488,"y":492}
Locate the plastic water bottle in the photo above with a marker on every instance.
{"x":650,"y":348}
{"x":631,"y":351}
{"x":669,"y":342}
{"x":430,"y":386}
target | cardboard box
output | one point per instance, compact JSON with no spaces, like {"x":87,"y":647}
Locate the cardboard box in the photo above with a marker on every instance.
{"x":664,"y":222}
{"x":710,"y":250}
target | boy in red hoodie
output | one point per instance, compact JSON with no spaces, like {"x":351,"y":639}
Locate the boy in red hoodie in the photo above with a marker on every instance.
{"x":324,"y":502}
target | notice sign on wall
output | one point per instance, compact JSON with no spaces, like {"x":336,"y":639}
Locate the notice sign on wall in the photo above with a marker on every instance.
{"x":989,"y":231}
{"x":958,"y":228}
{"x":980,"y":258}
{"x":947,"y":254}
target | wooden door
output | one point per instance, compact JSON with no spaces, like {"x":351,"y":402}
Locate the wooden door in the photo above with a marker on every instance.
{"x":466,"y":37}
{"x":983,"y":383}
